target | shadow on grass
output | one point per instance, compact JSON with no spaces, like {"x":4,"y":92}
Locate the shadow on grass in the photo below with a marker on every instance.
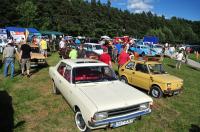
{"x":194,"y":128}
{"x":38,"y":68}
{"x":172,"y":66}
{"x":1,"y":64}
{"x":21,"y":123}
{"x":6,"y":112}
{"x":33,"y":70}
{"x":194,"y":68}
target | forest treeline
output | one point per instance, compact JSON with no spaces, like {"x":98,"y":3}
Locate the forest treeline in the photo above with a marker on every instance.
{"x":94,"y":19}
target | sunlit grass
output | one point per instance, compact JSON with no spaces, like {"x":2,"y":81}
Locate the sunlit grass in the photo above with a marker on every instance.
{"x":37,"y":109}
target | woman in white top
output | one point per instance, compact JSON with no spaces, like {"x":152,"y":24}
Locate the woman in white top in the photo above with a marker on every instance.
{"x":179,"y":58}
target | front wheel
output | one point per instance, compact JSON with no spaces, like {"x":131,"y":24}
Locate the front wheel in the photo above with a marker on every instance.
{"x":156,"y":92}
{"x":124,"y":79}
{"x":80,"y":123}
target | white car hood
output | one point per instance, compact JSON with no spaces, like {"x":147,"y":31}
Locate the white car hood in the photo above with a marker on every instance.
{"x":99,"y":52}
{"x":113,"y":95}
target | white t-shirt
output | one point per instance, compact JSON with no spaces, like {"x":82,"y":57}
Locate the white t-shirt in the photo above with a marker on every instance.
{"x":62,"y":44}
{"x":179,"y":56}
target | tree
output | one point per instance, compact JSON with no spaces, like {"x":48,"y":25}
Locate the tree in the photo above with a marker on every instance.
{"x":158,"y":33}
{"x":28,"y":12}
{"x":169,"y":36}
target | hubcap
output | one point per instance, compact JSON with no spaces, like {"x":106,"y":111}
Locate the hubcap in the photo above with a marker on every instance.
{"x":80,"y":122}
{"x":155,"y":93}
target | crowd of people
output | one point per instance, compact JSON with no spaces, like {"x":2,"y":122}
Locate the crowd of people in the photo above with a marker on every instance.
{"x":118,"y":53}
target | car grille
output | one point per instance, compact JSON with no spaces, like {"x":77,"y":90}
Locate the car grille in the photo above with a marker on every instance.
{"x":122,"y":111}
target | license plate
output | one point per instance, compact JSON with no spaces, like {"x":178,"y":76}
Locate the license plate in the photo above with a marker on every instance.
{"x":121,"y":123}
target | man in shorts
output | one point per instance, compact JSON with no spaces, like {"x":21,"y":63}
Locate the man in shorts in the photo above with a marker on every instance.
{"x":25,"y":54}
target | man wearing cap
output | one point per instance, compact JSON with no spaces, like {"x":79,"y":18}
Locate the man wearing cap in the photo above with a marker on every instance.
{"x":9,"y":59}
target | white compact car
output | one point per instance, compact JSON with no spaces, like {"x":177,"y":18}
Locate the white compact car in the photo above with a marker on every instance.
{"x":96,"y":96}
{"x":94,"y":47}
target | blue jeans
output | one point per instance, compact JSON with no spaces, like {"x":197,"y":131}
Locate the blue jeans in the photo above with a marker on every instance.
{"x":9,"y":61}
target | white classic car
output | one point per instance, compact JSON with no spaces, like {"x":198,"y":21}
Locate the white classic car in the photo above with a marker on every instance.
{"x":97,"y":48}
{"x":96,"y":96}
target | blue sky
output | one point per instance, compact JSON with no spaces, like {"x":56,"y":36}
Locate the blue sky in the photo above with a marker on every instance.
{"x":188,"y":9}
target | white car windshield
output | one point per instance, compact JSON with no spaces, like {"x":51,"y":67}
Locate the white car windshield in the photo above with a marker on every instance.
{"x":156,"y":69}
{"x":93,"y":74}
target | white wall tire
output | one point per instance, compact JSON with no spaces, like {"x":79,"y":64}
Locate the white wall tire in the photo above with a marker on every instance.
{"x":156,"y":92}
{"x":80,"y":123}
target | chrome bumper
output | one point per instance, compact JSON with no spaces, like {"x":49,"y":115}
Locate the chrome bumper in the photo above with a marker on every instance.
{"x":107,"y":122}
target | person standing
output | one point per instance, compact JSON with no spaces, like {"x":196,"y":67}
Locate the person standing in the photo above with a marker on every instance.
{"x":73,"y":53}
{"x":25,"y":57}
{"x":179,"y":58}
{"x":105,"y":57}
{"x":110,"y":49}
{"x":43,"y":45}
{"x":9,"y":59}
{"x":81,"y":52}
{"x":123,"y":57}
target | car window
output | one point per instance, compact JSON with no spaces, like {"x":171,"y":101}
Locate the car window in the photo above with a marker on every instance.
{"x":61,"y":68}
{"x":141,"y":67}
{"x":130,"y":65}
{"x":35,"y":50}
{"x":93,"y":74}
{"x":67,"y":74}
{"x":156,"y":69}
{"x":89,"y":47}
{"x":97,"y":47}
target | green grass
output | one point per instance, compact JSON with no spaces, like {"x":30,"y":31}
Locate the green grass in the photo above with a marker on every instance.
{"x":36,"y":109}
{"x":193,"y":57}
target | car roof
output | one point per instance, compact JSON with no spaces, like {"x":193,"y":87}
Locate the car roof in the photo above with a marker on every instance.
{"x":83,"y":62}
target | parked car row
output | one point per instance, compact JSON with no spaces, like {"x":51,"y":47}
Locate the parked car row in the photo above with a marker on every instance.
{"x":99,"y":99}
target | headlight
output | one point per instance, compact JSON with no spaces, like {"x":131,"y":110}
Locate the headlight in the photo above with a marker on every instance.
{"x":144,"y":106}
{"x":168,"y":85}
{"x":100,"y":116}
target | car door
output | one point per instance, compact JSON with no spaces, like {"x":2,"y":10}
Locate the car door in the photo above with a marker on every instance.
{"x":58,"y":75}
{"x":140,"y":76}
{"x":129,"y":69}
{"x":66,"y":85}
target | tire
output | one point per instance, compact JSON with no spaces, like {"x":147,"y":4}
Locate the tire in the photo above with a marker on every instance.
{"x":55,"y":89}
{"x":124,"y":79}
{"x":156,"y":92}
{"x":80,"y":123}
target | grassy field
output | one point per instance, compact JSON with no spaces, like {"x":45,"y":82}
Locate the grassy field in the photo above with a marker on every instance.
{"x":193,"y":57}
{"x":37,"y":110}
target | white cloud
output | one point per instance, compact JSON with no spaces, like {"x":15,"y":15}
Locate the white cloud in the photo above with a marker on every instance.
{"x":138,"y":6}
